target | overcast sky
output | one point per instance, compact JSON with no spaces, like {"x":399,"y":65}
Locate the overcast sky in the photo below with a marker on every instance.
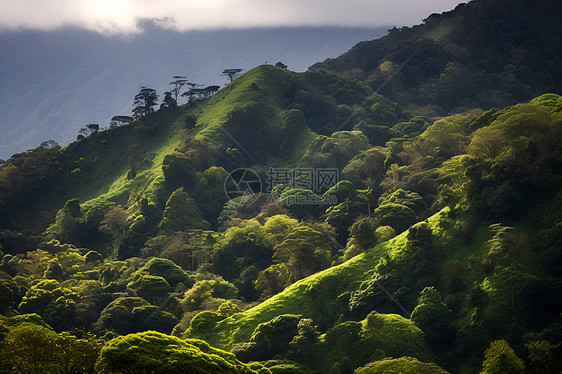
{"x":121,"y":16}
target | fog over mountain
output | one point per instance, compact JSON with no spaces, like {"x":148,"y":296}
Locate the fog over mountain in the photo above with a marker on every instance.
{"x":53,"y":83}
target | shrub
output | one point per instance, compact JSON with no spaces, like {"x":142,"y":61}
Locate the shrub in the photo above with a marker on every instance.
{"x":153,"y":352}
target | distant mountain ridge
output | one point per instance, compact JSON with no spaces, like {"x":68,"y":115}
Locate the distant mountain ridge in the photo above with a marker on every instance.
{"x":486,"y":53}
{"x":53,"y":83}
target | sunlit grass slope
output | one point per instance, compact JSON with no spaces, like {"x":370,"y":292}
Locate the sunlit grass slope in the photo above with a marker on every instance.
{"x":250,"y":114}
{"x":316,"y":296}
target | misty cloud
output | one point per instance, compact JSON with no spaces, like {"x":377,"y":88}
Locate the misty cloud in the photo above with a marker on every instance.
{"x":122,"y":16}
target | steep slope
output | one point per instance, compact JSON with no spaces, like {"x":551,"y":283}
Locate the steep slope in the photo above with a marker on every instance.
{"x":486,"y":53}
{"x":467,"y":275}
{"x":249,"y":114}
{"x":91,"y":77}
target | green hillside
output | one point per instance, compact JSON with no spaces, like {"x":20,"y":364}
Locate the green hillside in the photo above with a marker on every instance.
{"x":482,"y":54}
{"x":305,"y":222}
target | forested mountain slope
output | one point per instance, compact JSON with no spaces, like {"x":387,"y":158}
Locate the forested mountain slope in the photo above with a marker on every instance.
{"x":299,"y":223}
{"x":482,"y":54}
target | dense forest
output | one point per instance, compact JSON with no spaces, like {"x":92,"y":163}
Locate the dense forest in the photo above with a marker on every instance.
{"x":393,"y":210}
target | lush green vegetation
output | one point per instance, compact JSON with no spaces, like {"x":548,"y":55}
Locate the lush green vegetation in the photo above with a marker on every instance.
{"x":485,"y":53}
{"x":436,"y":251}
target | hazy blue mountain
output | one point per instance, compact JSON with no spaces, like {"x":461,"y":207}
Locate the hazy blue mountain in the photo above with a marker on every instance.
{"x":53,"y":83}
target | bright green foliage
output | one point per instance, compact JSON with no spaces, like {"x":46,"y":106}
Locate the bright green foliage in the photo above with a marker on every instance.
{"x":273,"y":280}
{"x":125,"y":315}
{"x":305,"y":250}
{"x":447,"y":136}
{"x":152,"y":352}
{"x":277,"y":227}
{"x":181,"y":214}
{"x":54,"y":303}
{"x":35,"y":349}
{"x":500,"y":358}
{"x":166,"y":269}
{"x":336,"y":150}
{"x":204,"y":321}
{"x":150,"y":287}
{"x":402,"y":365}
{"x":228,"y":309}
{"x":207,"y":289}
{"x":407,"y":198}
{"x":342,"y":190}
{"x":29,"y":349}
{"x":394,"y":335}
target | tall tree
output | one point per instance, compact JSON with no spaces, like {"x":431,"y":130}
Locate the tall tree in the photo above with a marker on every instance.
{"x":178,"y":82}
{"x":90,"y":129}
{"x":144,"y":101}
{"x":231,"y":73}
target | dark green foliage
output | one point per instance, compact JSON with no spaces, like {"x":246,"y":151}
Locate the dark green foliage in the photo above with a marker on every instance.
{"x":301,"y":348}
{"x":179,"y":172}
{"x":144,"y":101}
{"x":368,"y":165}
{"x":126,"y":315}
{"x":496,"y":280}
{"x":209,"y":193}
{"x":155,"y":352}
{"x":68,"y":223}
{"x":21,"y":176}
{"x":434,"y":318}
{"x":407,"y":198}
{"x":270,"y":338}
{"x":420,"y":241}
{"x":336,"y":150}
{"x":150,"y":287}
{"x":168,"y":270}
{"x":144,"y":225}
{"x":302,"y":203}
{"x":482,"y":54}
{"x":8,"y":295}
{"x":93,"y":257}
{"x":55,"y":304}
{"x":181,"y":214}
{"x":342,"y":216}
{"x":398,"y":216}
{"x":204,"y":321}
{"x":343,"y":190}
{"x":362,"y":235}
{"x":307,"y":249}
